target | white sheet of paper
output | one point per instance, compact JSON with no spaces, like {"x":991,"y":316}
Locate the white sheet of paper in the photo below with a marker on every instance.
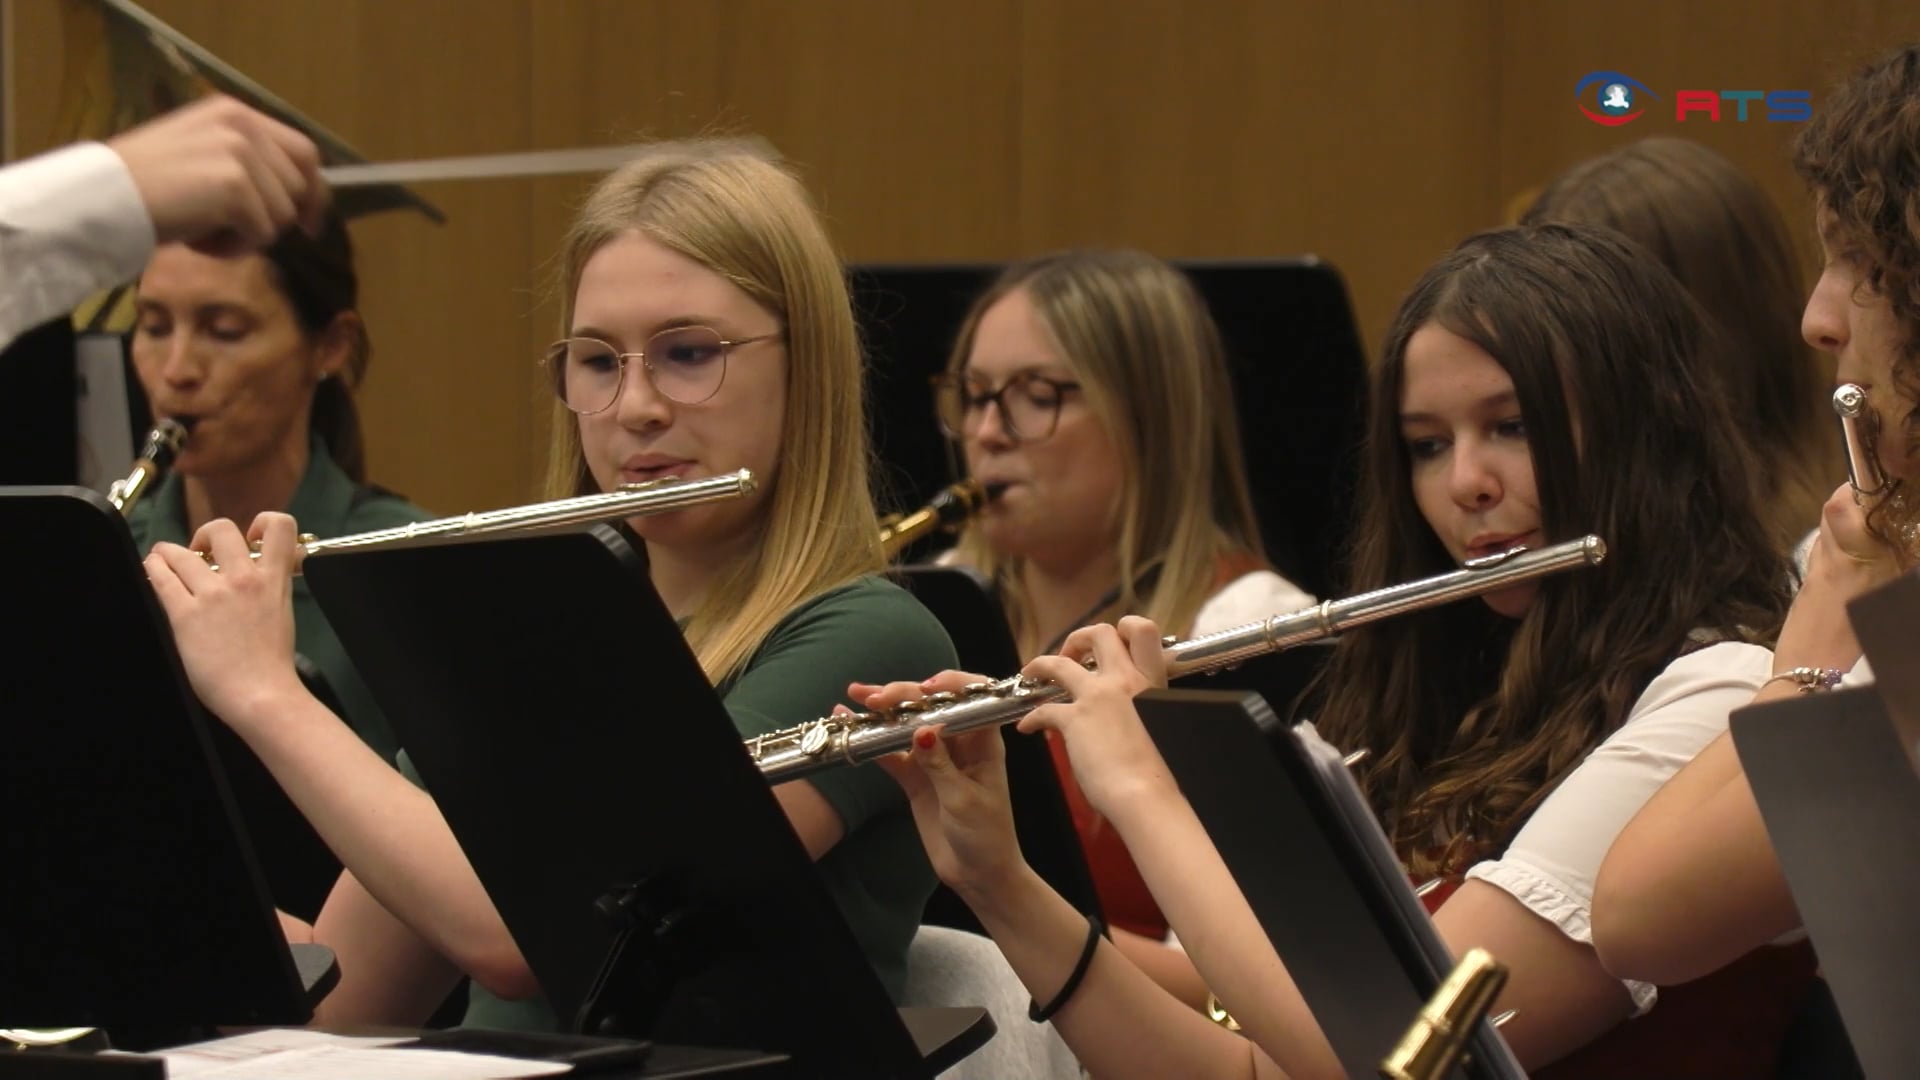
{"x":389,"y":1063}
{"x":303,"y":1054}
{"x":254,"y":1044}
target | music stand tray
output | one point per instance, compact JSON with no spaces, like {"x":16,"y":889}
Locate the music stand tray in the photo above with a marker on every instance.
{"x":1316,"y":869}
{"x":1842,"y":809}
{"x":608,"y":804}
{"x":134,"y":901}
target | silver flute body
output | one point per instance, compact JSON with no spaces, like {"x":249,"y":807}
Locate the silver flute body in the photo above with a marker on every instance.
{"x":629,"y":500}
{"x":632,"y":500}
{"x":850,"y":739}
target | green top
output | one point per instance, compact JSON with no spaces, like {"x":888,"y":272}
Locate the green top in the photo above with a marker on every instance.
{"x":326,"y":504}
{"x":867,"y":630}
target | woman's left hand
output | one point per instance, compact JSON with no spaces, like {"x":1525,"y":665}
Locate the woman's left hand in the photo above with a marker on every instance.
{"x":1113,"y":758}
{"x":957,"y":788}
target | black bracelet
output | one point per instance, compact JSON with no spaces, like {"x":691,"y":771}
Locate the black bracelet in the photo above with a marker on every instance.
{"x":1041,"y":1014}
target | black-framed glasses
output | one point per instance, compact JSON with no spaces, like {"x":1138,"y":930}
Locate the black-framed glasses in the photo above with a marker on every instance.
{"x":686,"y":364}
{"x":1029,"y":404}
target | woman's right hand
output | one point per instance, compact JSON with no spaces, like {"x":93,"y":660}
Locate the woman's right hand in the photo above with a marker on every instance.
{"x":957,"y":788}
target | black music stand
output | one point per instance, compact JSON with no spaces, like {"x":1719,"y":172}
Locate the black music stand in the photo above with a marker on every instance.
{"x":1887,"y":623}
{"x":1280,"y":678}
{"x":40,"y":435}
{"x":1842,"y":809}
{"x":605,"y":799}
{"x":1316,"y":869}
{"x":1293,"y":348}
{"x":134,"y":902}
{"x":964,"y":602}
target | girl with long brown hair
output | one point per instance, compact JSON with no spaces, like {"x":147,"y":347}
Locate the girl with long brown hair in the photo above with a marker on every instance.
{"x":1537,"y":385}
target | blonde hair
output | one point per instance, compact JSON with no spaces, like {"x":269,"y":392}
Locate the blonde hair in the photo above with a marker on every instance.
{"x":735,"y":208}
{"x":1148,"y":356}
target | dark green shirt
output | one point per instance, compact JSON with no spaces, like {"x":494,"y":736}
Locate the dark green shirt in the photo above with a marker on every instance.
{"x":871,"y":631}
{"x":326,"y":504}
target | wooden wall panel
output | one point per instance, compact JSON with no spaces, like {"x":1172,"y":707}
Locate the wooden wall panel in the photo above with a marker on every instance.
{"x":1373,"y":134}
{"x":1254,"y":129}
{"x":1754,"y":45}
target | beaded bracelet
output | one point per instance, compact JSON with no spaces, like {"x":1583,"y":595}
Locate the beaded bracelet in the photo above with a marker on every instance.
{"x":1040,"y":1014}
{"x":1810,"y":679}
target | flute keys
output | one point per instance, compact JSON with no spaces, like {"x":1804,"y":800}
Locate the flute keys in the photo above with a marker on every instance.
{"x":815,"y":739}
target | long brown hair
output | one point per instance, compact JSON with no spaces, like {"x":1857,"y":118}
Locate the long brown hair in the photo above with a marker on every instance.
{"x":316,"y":276}
{"x":1861,"y":157}
{"x":1140,"y":340}
{"x":1471,"y":718}
{"x":735,"y":208}
{"x":1718,"y":232}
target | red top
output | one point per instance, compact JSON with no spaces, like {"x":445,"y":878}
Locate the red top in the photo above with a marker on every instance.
{"x":1728,"y":1024}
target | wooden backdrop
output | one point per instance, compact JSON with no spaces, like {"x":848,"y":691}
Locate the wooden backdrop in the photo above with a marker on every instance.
{"x":1374,"y":134}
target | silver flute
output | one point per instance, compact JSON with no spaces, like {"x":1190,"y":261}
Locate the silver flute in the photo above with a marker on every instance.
{"x":850,"y":739}
{"x":626,"y":501}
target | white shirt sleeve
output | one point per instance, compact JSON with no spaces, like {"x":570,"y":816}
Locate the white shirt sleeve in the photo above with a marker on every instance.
{"x":1249,"y":598}
{"x":71,"y":223}
{"x":1553,"y":861}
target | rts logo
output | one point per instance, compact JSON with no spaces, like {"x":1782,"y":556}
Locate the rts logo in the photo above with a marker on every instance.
{"x":1614,"y":94}
{"x":1617,"y":100}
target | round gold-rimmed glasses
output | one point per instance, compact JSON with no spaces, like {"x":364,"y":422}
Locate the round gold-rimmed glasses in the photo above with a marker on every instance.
{"x":686,"y":364}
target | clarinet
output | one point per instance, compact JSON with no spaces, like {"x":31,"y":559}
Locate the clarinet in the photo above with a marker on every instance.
{"x":163,"y":444}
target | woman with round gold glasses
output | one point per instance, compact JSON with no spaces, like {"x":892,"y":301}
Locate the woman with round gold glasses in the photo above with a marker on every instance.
{"x":686,"y":363}
{"x":1093,"y":385}
{"x":690,"y":252}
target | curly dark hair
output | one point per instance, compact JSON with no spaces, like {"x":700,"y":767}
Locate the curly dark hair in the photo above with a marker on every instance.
{"x":1860,"y":156}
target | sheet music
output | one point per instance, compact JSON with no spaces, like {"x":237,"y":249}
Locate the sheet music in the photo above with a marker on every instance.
{"x":1364,"y":834}
{"x":301,"y":1054}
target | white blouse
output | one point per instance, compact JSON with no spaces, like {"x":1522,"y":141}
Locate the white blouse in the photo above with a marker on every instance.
{"x":1249,"y":598}
{"x":71,"y":223}
{"x":1553,"y":861}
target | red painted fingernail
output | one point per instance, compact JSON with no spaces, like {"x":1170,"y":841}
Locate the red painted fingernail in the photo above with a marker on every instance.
{"x":924,"y":738}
